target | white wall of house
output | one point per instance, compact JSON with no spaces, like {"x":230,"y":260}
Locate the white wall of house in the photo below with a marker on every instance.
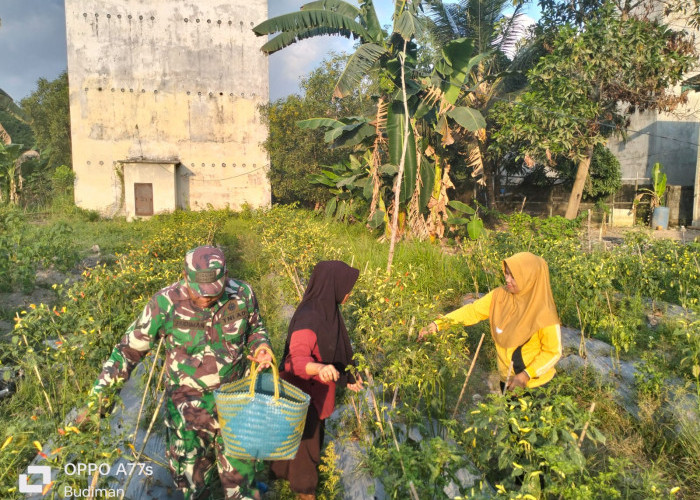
{"x":168,"y":81}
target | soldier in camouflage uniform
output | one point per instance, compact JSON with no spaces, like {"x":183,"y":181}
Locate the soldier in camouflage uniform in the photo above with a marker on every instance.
{"x":206,"y":320}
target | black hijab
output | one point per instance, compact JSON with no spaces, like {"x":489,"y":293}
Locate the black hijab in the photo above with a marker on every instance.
{"x":318,"y":311}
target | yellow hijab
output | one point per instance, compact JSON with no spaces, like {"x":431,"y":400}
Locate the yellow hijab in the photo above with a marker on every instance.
{"x":515,"y":317}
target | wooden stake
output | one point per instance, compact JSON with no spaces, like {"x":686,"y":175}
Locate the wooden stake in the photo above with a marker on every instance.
{"x":585,"y":426}
{"x":93,"y":484}
{"x":588,"y":232}
{"x":145,"y":391}
{"x":410,"y":327}
{"x":374,"y":400}
{"x":38,"y":375}
{"x":291,"y":276}
{"x":469,"y":373}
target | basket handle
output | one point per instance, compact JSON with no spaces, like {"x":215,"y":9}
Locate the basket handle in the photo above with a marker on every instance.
{"x":275,"y":376}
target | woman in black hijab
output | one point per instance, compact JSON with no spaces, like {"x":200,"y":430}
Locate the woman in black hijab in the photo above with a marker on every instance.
{"x":316,"y":355}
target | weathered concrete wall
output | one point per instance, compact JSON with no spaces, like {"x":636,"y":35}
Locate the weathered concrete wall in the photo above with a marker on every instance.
{"x":172,"y":81}
{"x":671,"y":140}
{"x":160,"y":175}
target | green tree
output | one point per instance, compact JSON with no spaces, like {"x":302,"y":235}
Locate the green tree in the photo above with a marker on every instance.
{"x":49,"y":116}
{"x":296,"y":153}
{"x":586,"y":88}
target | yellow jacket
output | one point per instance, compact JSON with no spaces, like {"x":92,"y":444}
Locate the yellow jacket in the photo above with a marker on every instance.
{"x":540,"y":353}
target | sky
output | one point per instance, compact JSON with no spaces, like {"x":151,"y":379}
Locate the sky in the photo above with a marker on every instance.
{"x":33,"y":46}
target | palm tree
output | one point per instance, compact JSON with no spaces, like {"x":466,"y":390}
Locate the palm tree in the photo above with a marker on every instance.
{"x":497,"y":34}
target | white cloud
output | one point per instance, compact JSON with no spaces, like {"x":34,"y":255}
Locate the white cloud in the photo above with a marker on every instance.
{"x":288,"y":66}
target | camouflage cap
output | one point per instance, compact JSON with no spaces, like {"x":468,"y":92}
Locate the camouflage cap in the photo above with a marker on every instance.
{"x":205,"y":270}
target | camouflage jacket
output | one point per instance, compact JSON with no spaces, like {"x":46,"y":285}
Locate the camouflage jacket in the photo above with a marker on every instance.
{"x":204,"y":348}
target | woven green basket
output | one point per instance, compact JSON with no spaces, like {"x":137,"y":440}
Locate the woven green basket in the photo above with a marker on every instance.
{"x":261,"y":417}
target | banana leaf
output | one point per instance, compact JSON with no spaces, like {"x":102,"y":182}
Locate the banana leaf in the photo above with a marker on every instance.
{"x":462,"y":207}
{"x":309,"y":19}
{"x":314,"y":123}
{"x":395,"y":132}
{"x":358,"y":66}
{"x":469,"y":118}
{"x":342,"y":8}
{"x":427,"y":176}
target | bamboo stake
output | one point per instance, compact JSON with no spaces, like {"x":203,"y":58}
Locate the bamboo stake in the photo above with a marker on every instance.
{"x":410,"y":327}
{"x":160,"y":379}
{"x":583,"y":434}
{"x":585,"y":426}
{"x":38,"y":375}
{"x":291,"y":276}
{"x":357,"y":412}
{"x":93,"y":484}
{"x":374,"y":400}
{"x":582,"y":344}
{"x":588,"y":231}
{"x":151,"y":459}
{"x":145,"y":391}
{"x":414,"y":493}
{"x":469,"y":373}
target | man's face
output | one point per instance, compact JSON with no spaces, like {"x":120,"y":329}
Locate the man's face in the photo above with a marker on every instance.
{"x":201,"y":301}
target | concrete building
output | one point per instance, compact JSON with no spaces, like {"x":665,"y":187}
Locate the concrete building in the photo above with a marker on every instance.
{"x":164,"y":98}
{"x":672,"y":139}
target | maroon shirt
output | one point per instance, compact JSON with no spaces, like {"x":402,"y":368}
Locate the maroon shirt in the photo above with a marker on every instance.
{"x":303,"y":349}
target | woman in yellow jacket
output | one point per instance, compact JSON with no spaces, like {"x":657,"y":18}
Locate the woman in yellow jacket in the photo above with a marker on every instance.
{"x":524,"y":322}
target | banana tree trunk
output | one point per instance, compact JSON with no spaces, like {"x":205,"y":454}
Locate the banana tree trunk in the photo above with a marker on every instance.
{"x":490,"y":175}
{"x":579,"y":183}
{"x":402,"y":163}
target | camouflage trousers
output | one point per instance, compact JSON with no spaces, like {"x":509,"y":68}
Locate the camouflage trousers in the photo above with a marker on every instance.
{"x":199,"y":466}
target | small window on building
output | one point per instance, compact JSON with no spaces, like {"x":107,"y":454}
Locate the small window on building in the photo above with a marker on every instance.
{"x":143,"y":198}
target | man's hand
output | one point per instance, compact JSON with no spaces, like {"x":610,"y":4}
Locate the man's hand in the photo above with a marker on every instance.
{"x":263,"y":357}
{"x":520,"y":380}
{"x":357,"y":386}
{"x":428,"y":330}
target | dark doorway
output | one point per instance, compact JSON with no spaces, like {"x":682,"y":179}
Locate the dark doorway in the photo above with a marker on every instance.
{"x":143,"y":198}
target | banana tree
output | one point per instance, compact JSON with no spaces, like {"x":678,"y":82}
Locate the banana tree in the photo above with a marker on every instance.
{"x":434,"y":120}
{"x":11,"y":159}
{"x":8,"y":105}
{"x":415,"y":117}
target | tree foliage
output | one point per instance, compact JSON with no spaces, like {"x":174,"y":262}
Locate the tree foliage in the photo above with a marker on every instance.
{"x":296,"y":153}
{"x":48,"y":110}
{"x":587,"y":86}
